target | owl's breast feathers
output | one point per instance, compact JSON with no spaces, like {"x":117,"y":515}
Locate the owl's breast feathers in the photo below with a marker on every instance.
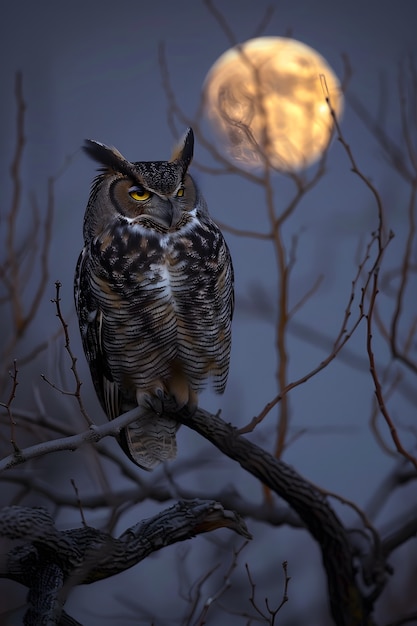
{"x":159,"y":308}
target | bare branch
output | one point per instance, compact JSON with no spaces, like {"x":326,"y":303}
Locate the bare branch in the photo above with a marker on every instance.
{"x":264,"y":21}
{"x":53,"y":561}
{"x":401,"y":475}
{"x":73,"y":358}
{"x":92,"y":435}
{"x":8,"y":405}
{"x":213,"y":599}
{"x":378,"y":388}
{"x":405,"y":528}
{"x":306,"y":500}
{"x":405,"y":273}
{"x":174,"y":111}
{"x":342,"y":338}
{"x":31,"y":251}
{"x":271,"y":614}
{"x":222,"y":22}
{"x":239,"y":232}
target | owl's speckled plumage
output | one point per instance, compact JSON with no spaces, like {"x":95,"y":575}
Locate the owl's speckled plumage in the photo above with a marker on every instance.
{"x":154,"y":295}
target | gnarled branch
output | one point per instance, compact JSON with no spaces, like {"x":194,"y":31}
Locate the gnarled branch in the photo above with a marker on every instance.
{"x":50,"y":562}
{"x":347,"y":604}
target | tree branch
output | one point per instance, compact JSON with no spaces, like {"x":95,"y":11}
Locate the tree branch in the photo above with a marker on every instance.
{"x":51,"y":562}
{"x":92,"y":435}
{"x":347,"y":604}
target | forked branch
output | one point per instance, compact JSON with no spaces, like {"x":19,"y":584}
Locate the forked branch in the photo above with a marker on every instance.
{"x":347,"y":604}
{"x":50,"y":562}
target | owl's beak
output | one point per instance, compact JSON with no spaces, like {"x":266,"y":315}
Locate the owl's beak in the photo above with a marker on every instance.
{"x":167,"y":213}
{"x":175,"y":214}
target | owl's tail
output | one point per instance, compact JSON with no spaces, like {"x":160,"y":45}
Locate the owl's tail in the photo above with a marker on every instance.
{"x":150,"y":440}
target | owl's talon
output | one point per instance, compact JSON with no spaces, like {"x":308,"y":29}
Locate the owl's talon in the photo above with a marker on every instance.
{"x":157,"y":402}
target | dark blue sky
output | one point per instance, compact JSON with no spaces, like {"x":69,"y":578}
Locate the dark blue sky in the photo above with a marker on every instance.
{"x":90,"y":69}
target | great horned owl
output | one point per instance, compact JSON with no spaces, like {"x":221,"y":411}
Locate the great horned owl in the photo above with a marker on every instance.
{"x":153,"y":293}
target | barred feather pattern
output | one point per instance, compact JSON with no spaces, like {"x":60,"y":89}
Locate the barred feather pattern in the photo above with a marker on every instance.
{"x":154,"y":297}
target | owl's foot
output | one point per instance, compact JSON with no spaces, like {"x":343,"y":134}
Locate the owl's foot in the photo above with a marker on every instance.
{"x":154,"y":401}
{"x":160,"y":401}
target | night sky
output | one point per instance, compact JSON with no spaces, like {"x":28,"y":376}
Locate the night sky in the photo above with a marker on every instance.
{"x":90,"y":70}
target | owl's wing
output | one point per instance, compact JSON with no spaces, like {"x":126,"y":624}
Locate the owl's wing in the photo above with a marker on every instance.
{"x":90,"y":319}
{"x":147,"y":441}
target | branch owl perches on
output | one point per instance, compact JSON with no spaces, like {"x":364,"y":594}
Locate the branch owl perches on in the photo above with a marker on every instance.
{"x":154,"y":295}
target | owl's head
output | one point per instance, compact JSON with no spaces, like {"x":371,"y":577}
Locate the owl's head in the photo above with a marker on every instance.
{"x":157,"y":194}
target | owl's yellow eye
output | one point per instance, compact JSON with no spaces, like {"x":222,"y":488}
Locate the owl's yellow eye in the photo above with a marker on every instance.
{"x":139,"y":193}
{"x":180,"y":192}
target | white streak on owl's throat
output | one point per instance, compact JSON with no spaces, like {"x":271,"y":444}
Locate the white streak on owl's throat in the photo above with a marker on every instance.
{"x":168,"y":279}
{"x":164,"y":240}
{"x":165,"y":279}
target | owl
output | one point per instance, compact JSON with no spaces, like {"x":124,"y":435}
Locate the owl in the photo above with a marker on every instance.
{"x":154,"y":295}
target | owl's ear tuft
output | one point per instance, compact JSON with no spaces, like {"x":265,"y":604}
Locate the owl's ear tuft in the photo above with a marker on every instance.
{"x":184,"y":150}
{"x":108,"y":157}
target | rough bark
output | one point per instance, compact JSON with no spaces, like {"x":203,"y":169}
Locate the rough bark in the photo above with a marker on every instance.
{"x":347,"y":604}
{"x":50,"y":562}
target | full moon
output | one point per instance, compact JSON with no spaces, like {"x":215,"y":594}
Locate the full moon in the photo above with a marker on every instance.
{"x":266,"y":99}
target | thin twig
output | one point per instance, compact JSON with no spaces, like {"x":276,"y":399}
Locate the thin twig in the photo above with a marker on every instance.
{"x":92,"y":435}
{"x":270,"y":615}
{"x":8,"y":406}
{"x":78,"y":383}
{"x":379,"y":394}
{"x":222,"y":22}
{"x":226,"y":584}
{"x":382,"y":238}
{"x":80,"y":507}
{"x":405,"y":272}
{"x":342,"y":338}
